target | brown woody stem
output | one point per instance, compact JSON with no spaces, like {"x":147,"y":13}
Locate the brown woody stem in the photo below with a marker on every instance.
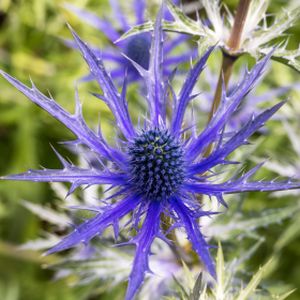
{"x":238,"y":26}
{"x":226,"y":70}
{"x":228,"y":59}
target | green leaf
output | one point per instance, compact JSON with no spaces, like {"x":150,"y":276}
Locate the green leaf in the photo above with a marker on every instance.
{"x":47,"y":214}
{"x":187,"y":24}
{"x":289,"y":58}
{"x":182,"y":24}
{"x":254,"y":282}
{"x":188,"y":275}
{"x":237,"y":225}
{"x":289,"y":234}
{"x":181,"y":290}
{"x":203,"y":45}
{"x":259,"y":42}
{"x":285,"y":295}
{"x":220,"y":268}
{"x":281,"y":23}
{"x":148,"y":26}
{"x":199,"y":288}
{"x":10,"y":290}
{"x":111,"y":265}
{"x":257,"y":12}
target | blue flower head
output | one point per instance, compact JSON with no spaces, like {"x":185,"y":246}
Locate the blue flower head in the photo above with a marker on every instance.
{"x":159,"y":167}
{"x":136,"y":47}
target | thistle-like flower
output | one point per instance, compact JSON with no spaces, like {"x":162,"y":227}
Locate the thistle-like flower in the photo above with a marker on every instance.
{"x":157,"y":168}
{"x":136,"y":48}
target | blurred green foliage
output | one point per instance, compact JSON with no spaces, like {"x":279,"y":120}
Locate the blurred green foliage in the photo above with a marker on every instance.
{"x":30,"y":32}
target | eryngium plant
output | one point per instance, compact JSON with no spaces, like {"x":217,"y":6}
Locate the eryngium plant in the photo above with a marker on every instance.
{"x":157,"y":168}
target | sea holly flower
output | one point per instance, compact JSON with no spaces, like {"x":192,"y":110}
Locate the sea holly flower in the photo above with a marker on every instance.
{"x":136,"y":48}
{"x":157,"y":167}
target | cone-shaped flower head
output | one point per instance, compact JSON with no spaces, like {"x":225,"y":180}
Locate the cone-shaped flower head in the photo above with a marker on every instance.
{"x":136,"y":47}
{"x":159,"y":167}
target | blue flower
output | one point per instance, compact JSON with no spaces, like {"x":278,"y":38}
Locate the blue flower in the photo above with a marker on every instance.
{"x":136,"y":48}
{"x":157,"y":168}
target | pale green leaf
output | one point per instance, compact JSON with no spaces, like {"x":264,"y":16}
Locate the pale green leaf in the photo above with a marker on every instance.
{"x":148,"y":26}
{"x":183,"y":294}
{"x":47,"y":214}
{"x":198,"y":289}
{"x":281,"y":23}
{"x":41,"y":244}
{"x":259,"y":41}
{"x":195,"y":28}
{"x":257,"y":12}
{"x":289,"y":58}
{"x":188,"y":275}
{"x":220,"y":269}
{"x":285,"y":295}
{"x":289,"y":234}
{"x":219,"y":22}
{"x":182,"y":24}
{"x":203,"y":45}
{"x":109,"y":264}
{"x":254,"y":282}
{"x":236,"y":225}
{"x":10,"y":290}
{"x":167,"y":26}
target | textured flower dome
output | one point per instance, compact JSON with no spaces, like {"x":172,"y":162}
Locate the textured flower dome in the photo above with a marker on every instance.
{"x":138,"y":49}
{"x":156,"y":164}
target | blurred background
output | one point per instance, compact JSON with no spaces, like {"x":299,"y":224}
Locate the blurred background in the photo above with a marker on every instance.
{"x":31,"y":33}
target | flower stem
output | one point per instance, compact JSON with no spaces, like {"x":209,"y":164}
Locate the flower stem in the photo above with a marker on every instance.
{"x":238,"y":26}
{"x":229,"y":59}
{"x":226,"y":70}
